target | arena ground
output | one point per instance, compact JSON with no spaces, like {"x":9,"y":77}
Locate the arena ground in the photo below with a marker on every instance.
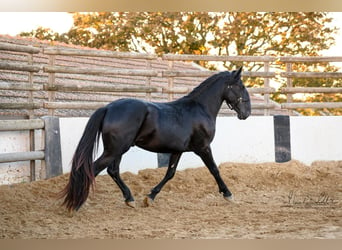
{"x":289,"y":200}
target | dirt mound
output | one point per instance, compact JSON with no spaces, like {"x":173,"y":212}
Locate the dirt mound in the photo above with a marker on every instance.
{"x":289,"y":200}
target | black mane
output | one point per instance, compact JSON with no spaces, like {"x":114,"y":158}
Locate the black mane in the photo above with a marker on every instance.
{"x":206,"y":83}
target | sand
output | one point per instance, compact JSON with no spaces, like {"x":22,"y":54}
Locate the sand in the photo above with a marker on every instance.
{"x":277,"y":201}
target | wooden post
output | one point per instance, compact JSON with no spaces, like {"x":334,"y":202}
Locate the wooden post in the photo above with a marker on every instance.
{"x":170,"y":81}
{"x":51,"y":83}
{"x":289,"y":84}
{"x":148,"y":80}
{"x":266,"y":85}
{"x":31,"y":116}
{"x":30,"y":81}
{"x":53,"y":153}
{"x":282,"y":138}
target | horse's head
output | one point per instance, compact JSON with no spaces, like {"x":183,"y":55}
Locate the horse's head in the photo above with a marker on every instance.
{"x":236,"y":95}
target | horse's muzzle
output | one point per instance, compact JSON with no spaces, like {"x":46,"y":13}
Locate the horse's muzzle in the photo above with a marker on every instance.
{"x":243,"y":116}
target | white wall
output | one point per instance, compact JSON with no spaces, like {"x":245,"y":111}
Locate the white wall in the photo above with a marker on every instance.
{"x":71,"y":130}
{"x":11,"y":142}
{"x":316,"y":138}
{"x":18,"y":141}
{"x":251,"y":140}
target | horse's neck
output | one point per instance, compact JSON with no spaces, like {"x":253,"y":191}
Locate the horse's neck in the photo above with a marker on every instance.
{"x":211,"y":99}
{"x":213,"y":105}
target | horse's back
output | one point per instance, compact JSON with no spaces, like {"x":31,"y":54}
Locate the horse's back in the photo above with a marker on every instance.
{"x":163,"y":129}
{"x":170,"y":127}
{"x":125,"y":110}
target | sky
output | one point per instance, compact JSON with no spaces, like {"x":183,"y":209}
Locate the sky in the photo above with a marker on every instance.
{"x":13,"y":23}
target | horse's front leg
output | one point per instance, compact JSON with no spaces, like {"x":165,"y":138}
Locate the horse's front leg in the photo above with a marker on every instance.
{"x":207,"y":158}
{"x":171,"y":170}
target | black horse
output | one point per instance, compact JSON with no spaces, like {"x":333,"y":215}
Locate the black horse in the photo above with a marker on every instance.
{"x":187,"y":124}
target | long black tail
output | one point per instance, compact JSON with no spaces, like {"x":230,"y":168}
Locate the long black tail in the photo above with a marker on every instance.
{"x":82,"y":173}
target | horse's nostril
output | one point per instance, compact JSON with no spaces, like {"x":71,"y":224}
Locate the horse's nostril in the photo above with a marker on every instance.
{"x":243,"y":117}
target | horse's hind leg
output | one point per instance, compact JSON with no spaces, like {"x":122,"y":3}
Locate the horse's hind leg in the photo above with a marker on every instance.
{"x":102,"y":162}
{"x":171,"y":170}
{"x":114,"y":171}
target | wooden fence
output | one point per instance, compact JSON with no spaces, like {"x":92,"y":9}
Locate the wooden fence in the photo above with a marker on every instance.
{"x":32,"y":155}
{"x":290,"y":90}
{"x":171,"y":73}
{"x":43,"y":94}
{"x":50,"y":155}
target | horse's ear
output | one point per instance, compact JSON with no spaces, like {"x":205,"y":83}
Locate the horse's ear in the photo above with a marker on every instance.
{"x":237,"y":73}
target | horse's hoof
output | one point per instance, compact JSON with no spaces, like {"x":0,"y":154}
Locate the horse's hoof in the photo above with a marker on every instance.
{"x":229,"y":198}
{"x":130,"y":204}
{"x":148,"y":202}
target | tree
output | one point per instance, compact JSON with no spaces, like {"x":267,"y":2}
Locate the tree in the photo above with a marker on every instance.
{"x":202,"y":33}
{"x":177,"y":32}
{"x":280,"y":33}
{"x":274,"y":34}
{"x":112,"y":31}
{"x":46,"y":34}
{"x":223,"y":33}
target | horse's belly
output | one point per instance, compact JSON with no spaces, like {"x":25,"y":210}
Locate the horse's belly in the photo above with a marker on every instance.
{"x":162,"y":144}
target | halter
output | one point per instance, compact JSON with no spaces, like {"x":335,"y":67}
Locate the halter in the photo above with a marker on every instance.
{"x":239,"y":100}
